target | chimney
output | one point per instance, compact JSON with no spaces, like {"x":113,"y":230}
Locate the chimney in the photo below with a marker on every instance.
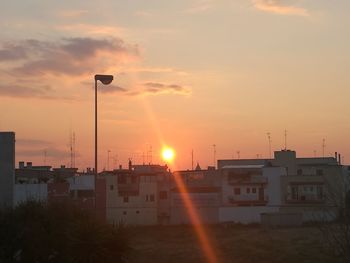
{"x":21,"y":165}
{"x":120,"y":167}
{"x":339,"y":157}
{"x":130,"y":164}
{"x":29,"y":165}
{"x":336,"y":156}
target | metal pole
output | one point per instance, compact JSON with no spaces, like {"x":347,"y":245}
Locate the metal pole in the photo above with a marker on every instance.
{"x":95,"y":128}
{"x":95,"y":173}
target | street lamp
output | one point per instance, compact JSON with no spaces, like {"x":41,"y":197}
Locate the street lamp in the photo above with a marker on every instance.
{"x":105,"y":79}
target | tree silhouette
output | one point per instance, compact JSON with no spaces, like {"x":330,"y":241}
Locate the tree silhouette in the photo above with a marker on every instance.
{"x":58,"y":232}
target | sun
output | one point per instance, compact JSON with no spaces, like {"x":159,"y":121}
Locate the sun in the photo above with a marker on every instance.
{"x":168,"y":154}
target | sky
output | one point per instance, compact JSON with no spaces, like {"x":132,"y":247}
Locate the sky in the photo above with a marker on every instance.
{"x":189,"y":74}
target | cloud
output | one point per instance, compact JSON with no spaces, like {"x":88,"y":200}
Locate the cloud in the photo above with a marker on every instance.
{"x":50,"y":152}
{"x":88,"y":29}
{"x":38,"y":91}
{"x":68,"y":56}
{"x":12,"y":51}
{"x":111,"y":89}
{"x":279,"y":7}
{"x":142,"y":13}
{"x":32,"y":142}
{"x":200,"y":6}
{"x":14,"y":90}
{"x":73,"y":13}
{"x":161,"y":88}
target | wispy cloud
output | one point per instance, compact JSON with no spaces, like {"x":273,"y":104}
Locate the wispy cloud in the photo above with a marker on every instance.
{"x":200,"y":6}
{"x":143,"y":13}
{"x":155,"y":88}
{"x":71,"y":56}
{"x":50,"y":152}
{"x":111,"y":89}
{"x":90,"y":29}
{"x":73,"y":13}
{"x":281,"y":7}
{"x":14,"y":90}
{"x":32,"y":142}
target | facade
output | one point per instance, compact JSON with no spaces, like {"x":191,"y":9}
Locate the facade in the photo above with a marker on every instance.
{"x":196,"y":191}
{"x":7,"y":168}
{"x":283,"y":190}
{"x":312,"y":187}
{"x":134,"y":195}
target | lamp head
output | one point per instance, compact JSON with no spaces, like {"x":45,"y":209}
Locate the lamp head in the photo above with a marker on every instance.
{"x":105,"y":79}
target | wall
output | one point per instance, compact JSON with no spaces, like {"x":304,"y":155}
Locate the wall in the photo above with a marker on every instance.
{"x":244,"y":215}
{"x":7,"y":168}
{"x":29,"y":192}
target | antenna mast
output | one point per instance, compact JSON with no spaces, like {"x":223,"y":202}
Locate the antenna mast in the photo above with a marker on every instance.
{"x":45,"y":157}
{"x":269,"y":138}
{"x":214,"y":154}
{"x":108,"y":151}
{"x":285,"y":139}
{"x":323,"y":146}
{"x":73,"y":149}
{"x":192,"y":159}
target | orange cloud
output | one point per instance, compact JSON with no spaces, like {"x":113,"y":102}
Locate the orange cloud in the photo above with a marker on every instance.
{"x":279,"y":7}
{"x":73,"y":13}
{"x":34,"y":68}
{"x":155,"y":88}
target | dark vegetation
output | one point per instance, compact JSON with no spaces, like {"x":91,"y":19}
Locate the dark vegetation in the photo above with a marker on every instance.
{"x":36,"y":232}
{"x":233,"y":243}
{"x":58,"y":232}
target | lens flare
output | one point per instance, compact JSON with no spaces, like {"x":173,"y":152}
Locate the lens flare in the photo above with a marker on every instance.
{"x":168,"y":154}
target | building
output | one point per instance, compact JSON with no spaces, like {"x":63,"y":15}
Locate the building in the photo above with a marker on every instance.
{"x":7,"y":168}
{"x":196,"y":190}
{"x":134,"y":195}
{"x":313,"y":187}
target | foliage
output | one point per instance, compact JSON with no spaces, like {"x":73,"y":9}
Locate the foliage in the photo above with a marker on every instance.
{"x":58,"y":232}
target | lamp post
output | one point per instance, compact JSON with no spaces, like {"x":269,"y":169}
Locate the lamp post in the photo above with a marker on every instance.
{"x":105,"y":79}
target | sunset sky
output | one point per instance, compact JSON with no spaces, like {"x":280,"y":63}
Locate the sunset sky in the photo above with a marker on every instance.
{"x":188,"y":74}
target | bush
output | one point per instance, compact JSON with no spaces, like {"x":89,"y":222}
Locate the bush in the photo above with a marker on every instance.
{"x":58,"y":232}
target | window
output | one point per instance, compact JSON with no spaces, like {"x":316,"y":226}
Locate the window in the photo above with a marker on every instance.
{"x":137,"y":212}
{"x":126,"y":199}
{"x":248,"y":190}
{"x":254,"y":190}
{"x":124,"y":212}
{"x":111,"y":187}
{"x":237,"y":191}
{"x":319,"y":190}
{"x":300,"y":172}
{"x":163,"y":195}
{"x":151,"y":197}
{"x":146,"y":198}
{"x":294,"y":190}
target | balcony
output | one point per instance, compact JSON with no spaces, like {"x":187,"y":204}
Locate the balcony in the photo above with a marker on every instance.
{"x":247,"y":201}
{"x":250,"y":180}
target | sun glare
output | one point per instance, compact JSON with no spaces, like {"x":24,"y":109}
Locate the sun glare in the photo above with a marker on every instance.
{"x":168,"y":154}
